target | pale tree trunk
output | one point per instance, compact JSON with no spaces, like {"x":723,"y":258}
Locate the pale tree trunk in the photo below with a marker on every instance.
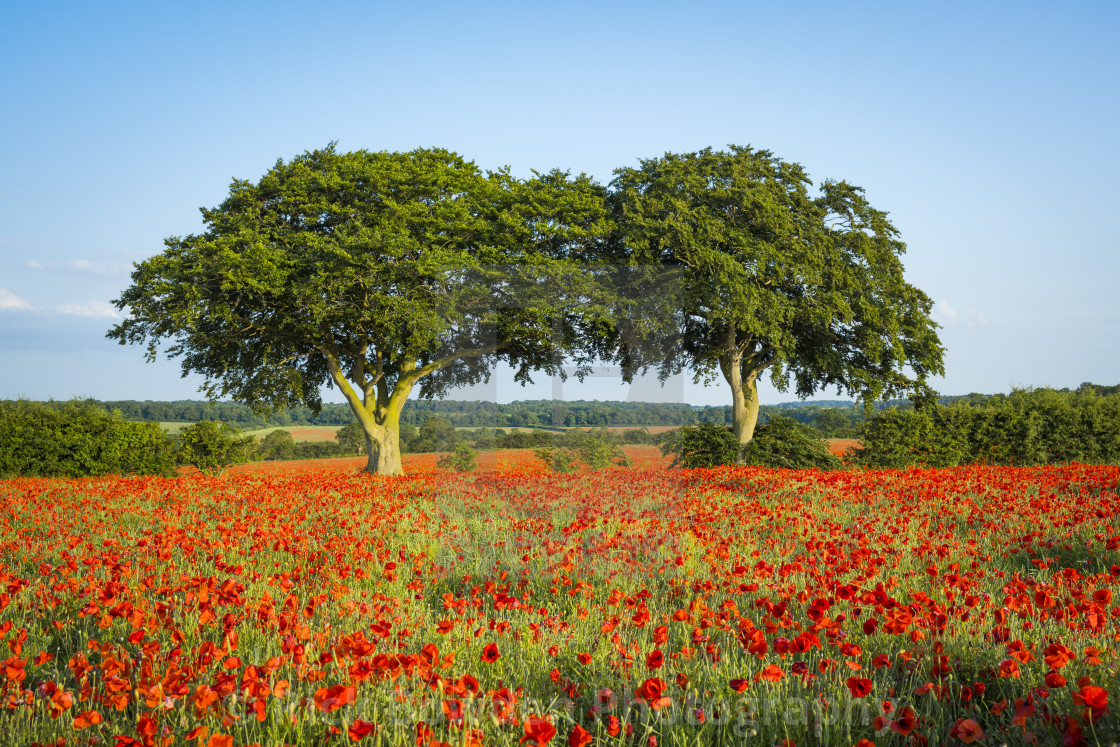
{"x":744,"y":401}
{"x":378,"y":409}
{"x":383,"y":445}
{"x":378,"y":412}
{"x":744,"y":392}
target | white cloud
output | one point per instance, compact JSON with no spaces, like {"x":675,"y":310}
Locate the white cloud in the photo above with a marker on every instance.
{"x":101,"y":267}
{"x":89,"y":309}
{"x":976,"y":319}
{"x":10,"y":301}
{"x":948,"y":316}
{"x":98,"y":267}
{"x":947,"y":313}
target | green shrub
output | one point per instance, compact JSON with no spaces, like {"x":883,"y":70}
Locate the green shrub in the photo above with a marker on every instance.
{"x":896,"y":439}
{"x":213,"y":447}
{"x":781,"y":442}
{"x":351,"y":438}
{"x":277,"y":444}
{"x":460,"y":460}
{"x":785,"y":443}
{"x":703,"y":445}
{"x":1031,"y":426}
{"x":77,"y":439}
{"x":594,"y":450}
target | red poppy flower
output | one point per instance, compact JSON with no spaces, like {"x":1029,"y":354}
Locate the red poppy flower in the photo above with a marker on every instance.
{"x":579,"y":737}
{"x":652,"y":688}
{"x":1055,"y":679}
{"x":538,"y":731}
{"x":1057,"y":656}
{"x":359,"y":729}
{"x":968,"y":731}
{"x":1091,"y":696}
{"x":772,"y":673}
{"x":490,"y":653}
{"x":859,"y":687}
{"x":905,"y":722}
{"x":328,"y":699}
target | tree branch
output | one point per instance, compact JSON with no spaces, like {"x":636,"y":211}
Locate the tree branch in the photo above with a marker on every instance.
{"x":334,"y":365}
{"x":449,"y":359}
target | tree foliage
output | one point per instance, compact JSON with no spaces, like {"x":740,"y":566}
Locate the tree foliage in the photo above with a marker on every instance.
{"x":214,"y":447}
{"x":78,"y":439}
{"x":772,"y":279}
{"x":278,"y":444}
{"x":351,"y":438}
{"x":379,"y":273}
{"x":703,"y":445}
{"x":593,"y":450}
{"x":781,"y":442}
{"x":786,"y":444}
{"x":1030,"y":426}
{"x":460,"y":460}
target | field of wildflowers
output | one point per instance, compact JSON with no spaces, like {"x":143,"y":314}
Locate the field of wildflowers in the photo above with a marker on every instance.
{"x":505,"y":607}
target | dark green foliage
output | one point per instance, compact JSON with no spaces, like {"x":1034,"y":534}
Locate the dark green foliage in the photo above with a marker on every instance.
{"x":547,"y":413}
{"x":213,"y":447}
{"x":638,"y":436}
{"x":780,"y":442}
{"x":380,"y":274}
{"x":703,"y":445}
{"x":278,"y":445}
{"x":523,"y":440}
{"x":773,"y":281}
{"x":436,"y":434}
{"x":351,"y":439}
{"x":594,"y":450}
{"x":904,"y":438}
{"x":77,"y":439}
{"x":1039,"y":426}
{"x":561,"y":461}
{"x":785,"y":443}
{"x":834,"y":422}
{"x":484,"y":438}
{"x":460,"y":460}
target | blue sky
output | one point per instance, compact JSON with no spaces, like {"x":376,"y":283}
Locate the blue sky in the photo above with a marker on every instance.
{"x":988,"y":131}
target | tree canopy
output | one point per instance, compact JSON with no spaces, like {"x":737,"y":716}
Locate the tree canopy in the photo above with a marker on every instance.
{"x":387,"y":273}
{"x":771,"y":278}
{"x":378,"y":272}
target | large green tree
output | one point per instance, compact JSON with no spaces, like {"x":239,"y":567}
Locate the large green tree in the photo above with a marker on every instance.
{"x":766,"y":277}
{"x":379,"y":273}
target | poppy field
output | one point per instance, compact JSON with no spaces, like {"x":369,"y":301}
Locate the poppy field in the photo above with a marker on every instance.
{"x":506,"y":607}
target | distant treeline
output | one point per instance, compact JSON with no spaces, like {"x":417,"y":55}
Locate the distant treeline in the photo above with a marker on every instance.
{"x":475,"y":414}
{"x":835,"y":418}
{"x":1028,"y":426}
{"x":438,"y":435}
{"x":468,"y":414}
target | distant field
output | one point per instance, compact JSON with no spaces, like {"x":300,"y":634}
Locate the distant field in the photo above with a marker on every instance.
{"x":326,"y":432}
{"x":300,"y":432}
{"x":654,"y":429}
{"x":840,"y":446}
{"x":552,"y":429}
{"x":522,"y":461}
